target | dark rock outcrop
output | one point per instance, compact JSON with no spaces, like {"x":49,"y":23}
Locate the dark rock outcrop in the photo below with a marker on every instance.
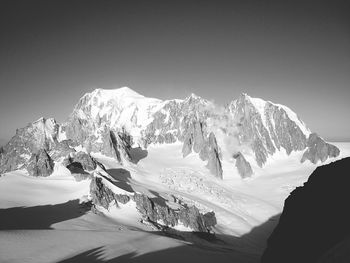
{"x":41,"y":134}
{"x":319,"y":150}
{"x":102,"y":195}
{"x":155,"y":211}
{"x":189,"y":216}
{"x":214,"y":163}
{"x":315,"y":217}
{"x":40,"y":164}
{"x":78,"y":171}
{"x":86,"y":161}
{"x":196,"y":139}
{"x":243,"y":167}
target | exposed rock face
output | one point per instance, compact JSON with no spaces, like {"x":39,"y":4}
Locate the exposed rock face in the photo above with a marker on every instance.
{"x":40,"y":164}
{"x":214,"y":163}
{"x":315,"y":217}
{"x":62,"y":149}
{"x":154,"y":211}
{"x":319,"y":150}
{"x":38,"y":135}
{"x":41,"y":134}
{"x":188,"y":216}
{"x":86,"y":161}
{"x":78,"y":171}
{"x":266,"y":127}
{"x":103,"y":196}
{"x":177,"y":120}
{"x":107,"y":141}
{"x":243,"y":167}
{"x":196,"y":139}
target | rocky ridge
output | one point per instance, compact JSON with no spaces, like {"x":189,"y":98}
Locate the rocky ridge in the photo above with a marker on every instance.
{"x":154,"y":211}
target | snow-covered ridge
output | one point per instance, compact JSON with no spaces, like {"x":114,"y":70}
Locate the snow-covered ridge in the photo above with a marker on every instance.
{"x":113,"y":121}
{"x":260,"y":106}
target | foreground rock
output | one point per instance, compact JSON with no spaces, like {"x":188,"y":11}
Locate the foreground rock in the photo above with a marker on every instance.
{"x":40,"y":164}
{"x":315,"y":219}
{"x":155,"y":211}
{"x":102,"y":195}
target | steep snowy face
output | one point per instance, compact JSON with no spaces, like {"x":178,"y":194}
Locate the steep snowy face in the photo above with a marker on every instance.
{"x":110,"y":121}
{"x":118,"y":108}
{"x":267,"y":127}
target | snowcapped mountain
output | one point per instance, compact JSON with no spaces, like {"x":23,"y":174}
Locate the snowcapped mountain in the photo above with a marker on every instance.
{"x":170,"y":165}
{"x":112,"y":122}
{"x":250,"y":126}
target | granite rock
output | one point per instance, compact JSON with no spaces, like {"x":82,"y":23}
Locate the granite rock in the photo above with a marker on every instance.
{"x":242,"y":165}
{"x":40,"y":164}
{"x":319,"y":150}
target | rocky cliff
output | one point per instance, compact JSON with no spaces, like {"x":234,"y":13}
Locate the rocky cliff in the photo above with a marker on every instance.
{"x":154,"y":210}
{"x":35,"y":137}
{"x":243,"y":167}
{"x":40,"y":164}
{"x":315,"y":219}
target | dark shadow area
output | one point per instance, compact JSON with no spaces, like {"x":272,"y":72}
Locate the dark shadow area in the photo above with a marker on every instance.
{"x":186,"y":253}
{"x":89,"y":256}
{"x":119,"y":174}
{"x":158,"y":199}
{"x":204,"y":247}
{"x":137,"y":154}
{"x":40,"y":217}
{"x":315,"y":217}
{"x":122,"y":177}
{"x":76,"y":168}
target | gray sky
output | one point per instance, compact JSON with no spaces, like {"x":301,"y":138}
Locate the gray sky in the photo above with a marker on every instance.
{"x":294,"y":53}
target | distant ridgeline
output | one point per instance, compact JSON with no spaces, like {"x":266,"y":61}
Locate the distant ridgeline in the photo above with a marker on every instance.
{"x":245,"y":133}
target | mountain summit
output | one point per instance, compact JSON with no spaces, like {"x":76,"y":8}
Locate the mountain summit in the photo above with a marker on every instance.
{"x":244,"y":134}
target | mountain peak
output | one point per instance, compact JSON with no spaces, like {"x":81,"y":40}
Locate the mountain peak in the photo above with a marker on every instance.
{"x":119,"y":92}
{"x":193,"y":96}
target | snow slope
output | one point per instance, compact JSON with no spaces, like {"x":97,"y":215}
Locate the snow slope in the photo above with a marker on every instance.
{"x":53,"y":226}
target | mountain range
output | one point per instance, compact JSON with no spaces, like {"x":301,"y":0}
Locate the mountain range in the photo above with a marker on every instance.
{"x":117,"y":128}
{"x":244,"y":134}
